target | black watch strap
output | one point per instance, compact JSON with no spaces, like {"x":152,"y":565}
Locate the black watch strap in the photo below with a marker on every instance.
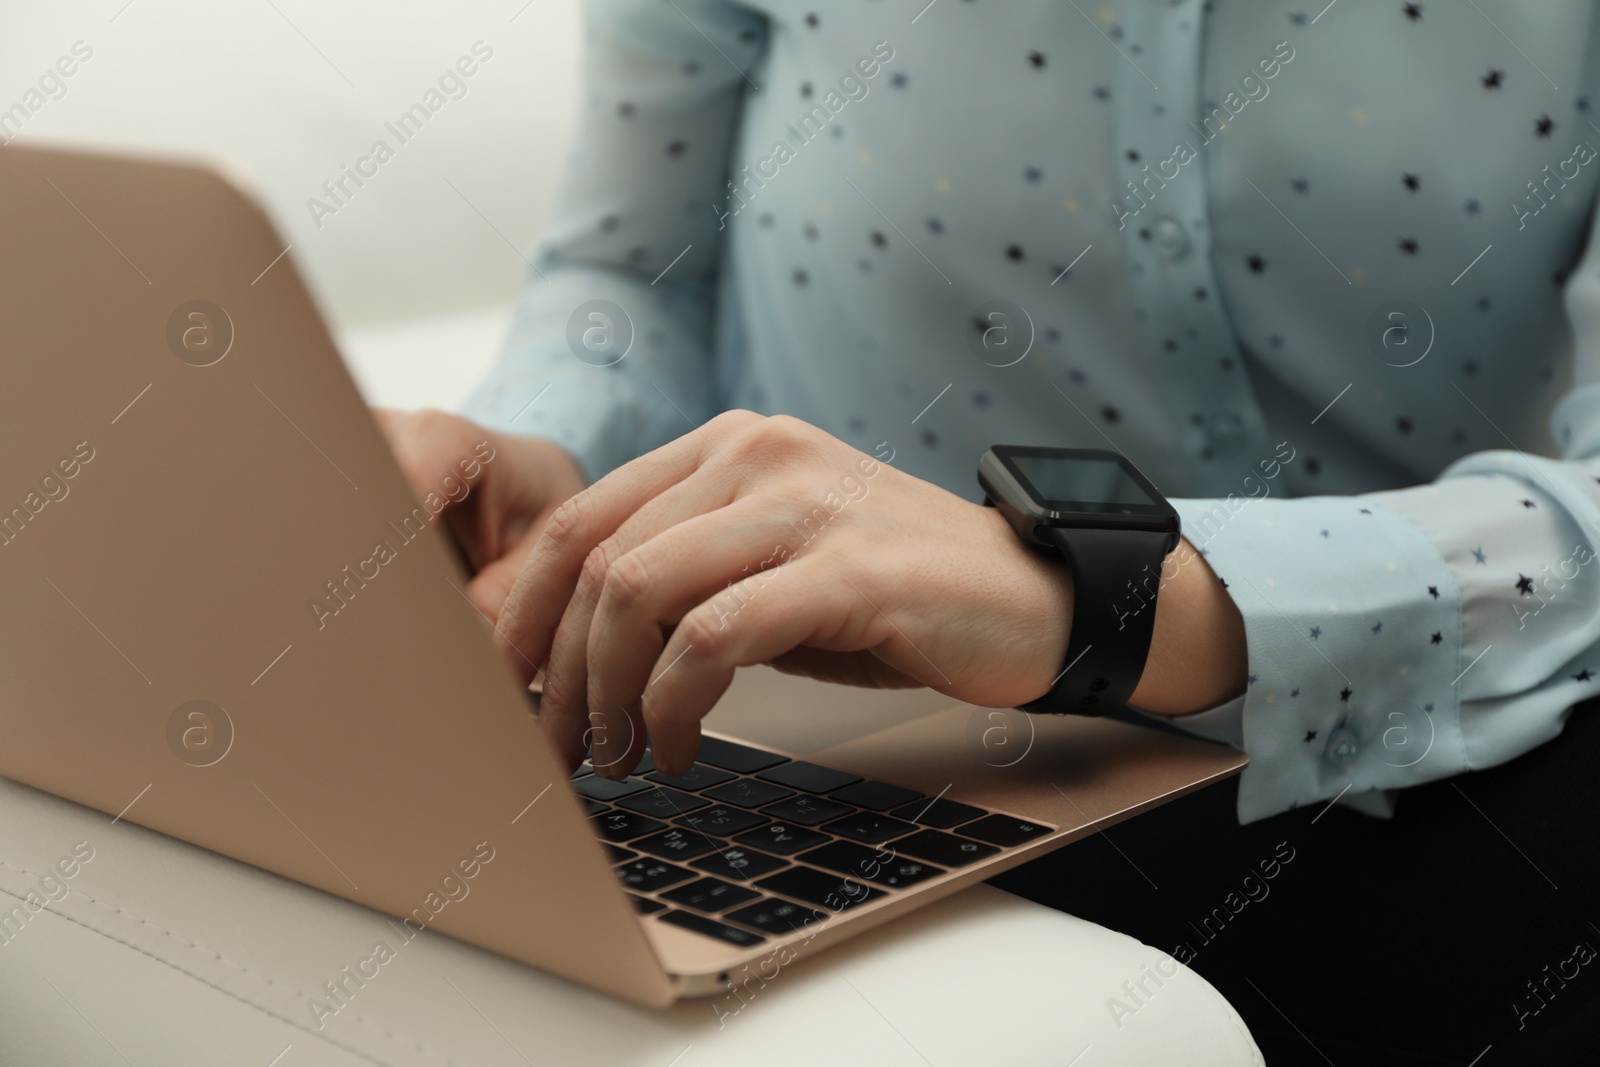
{"x":1115,"y":576}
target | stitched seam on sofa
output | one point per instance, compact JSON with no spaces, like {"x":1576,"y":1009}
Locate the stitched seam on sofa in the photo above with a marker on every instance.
{"x":304,"y":1028}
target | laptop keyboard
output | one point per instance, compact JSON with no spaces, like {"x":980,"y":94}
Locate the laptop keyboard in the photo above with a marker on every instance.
{"x":749,"y":844}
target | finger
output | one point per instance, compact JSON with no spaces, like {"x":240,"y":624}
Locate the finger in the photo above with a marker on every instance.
{"x":697,"y":664}
{"x":566,"y":682}
{"x":537,"y":602}
{"x":435,"y":451}
{"x":706,"y":558}
{"x":492,"y":583}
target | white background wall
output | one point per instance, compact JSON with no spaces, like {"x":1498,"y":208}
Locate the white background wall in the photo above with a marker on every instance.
{"x":288,"y":90}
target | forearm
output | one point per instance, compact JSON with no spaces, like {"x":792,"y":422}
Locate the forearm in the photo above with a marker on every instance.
{"x":1197,"y":652}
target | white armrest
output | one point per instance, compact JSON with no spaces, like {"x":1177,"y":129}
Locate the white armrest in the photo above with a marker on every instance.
{"x":163,"y":953}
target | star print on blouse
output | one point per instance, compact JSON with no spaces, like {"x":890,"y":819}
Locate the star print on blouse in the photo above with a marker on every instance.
{"x":1311,"y":735}
{"x":1583,"y":675}
{"x":639,"y":116}
{"x":1525,"y":584}
{"x":1344,"y":695}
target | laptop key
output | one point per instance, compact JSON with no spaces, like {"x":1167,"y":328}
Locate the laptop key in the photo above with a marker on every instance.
{"x":698,"y":777}
{"x":675,"y":844}
{"x":711,"y":928}
{"x":646,"y":763}
{"x":876,"y":796}
{"x":777,"y":916}
{"x":869,"y":827}
{"x":597,"y":788}
{"x":732,"y":756}
{"x":748,"y":793}
{"x":663,"y":802}
{"x":710,"y":895}
{"x":936,"y":846}
{"x":649,"y":874}
{"x":644,"y":905}
{"x":939,"y":814}
{"x":619,"y":854}
{"x":782,"y":839}
{"x":1004,"y":830}
{"x":583,"y":769}
{"x":624,"y":825}
{"x":592,"y":807}
{"x":879,"y":866}
{"x":831,"y":891}
{"x":739,"y":864}
{"x":806,"y":811}
{"x":808,"y":777}
{"x":721,"y":820}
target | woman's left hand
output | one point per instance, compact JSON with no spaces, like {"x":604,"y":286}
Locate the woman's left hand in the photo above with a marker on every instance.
{"x":765,"y":540}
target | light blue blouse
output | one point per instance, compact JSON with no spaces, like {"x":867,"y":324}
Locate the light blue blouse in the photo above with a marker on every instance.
{"x":1320,"y":272}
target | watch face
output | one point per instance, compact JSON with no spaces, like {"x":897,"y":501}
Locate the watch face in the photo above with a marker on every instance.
{"x":1070,"y":484}
{"x":1082,"y":482}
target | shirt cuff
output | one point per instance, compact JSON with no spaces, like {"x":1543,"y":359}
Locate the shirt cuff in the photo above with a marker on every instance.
{"x":1353,"y":628}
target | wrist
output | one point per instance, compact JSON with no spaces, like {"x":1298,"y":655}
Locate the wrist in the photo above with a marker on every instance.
{"x":1197,"y":651}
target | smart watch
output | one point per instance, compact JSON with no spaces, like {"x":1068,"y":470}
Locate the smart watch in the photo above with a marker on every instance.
{"x":1114,"y":529}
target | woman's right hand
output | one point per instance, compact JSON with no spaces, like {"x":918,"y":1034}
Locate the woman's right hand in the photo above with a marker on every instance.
{"x":511,"y":485}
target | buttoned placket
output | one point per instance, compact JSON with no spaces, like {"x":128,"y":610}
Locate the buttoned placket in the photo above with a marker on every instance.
{"x":1163,"y":136}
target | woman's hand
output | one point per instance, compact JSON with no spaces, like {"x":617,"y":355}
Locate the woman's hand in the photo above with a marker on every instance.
{"x":497,"y":490}
{"x":765,"y":540}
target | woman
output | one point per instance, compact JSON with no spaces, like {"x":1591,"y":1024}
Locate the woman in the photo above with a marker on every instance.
{"x":1320,"y":274}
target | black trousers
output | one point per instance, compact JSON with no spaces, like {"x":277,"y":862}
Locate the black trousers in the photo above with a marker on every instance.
{"x":1469,"y":922}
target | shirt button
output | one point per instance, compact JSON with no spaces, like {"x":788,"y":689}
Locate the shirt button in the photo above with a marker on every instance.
{"x":1224,"y":429}
{"x":1342,"y":747}
{"x":1172,"y":239}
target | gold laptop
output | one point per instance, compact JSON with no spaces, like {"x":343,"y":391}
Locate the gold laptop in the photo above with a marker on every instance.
{"x":189,"y":479}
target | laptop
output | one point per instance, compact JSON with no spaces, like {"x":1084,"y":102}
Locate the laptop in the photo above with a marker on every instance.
{"x":189,"y":481}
